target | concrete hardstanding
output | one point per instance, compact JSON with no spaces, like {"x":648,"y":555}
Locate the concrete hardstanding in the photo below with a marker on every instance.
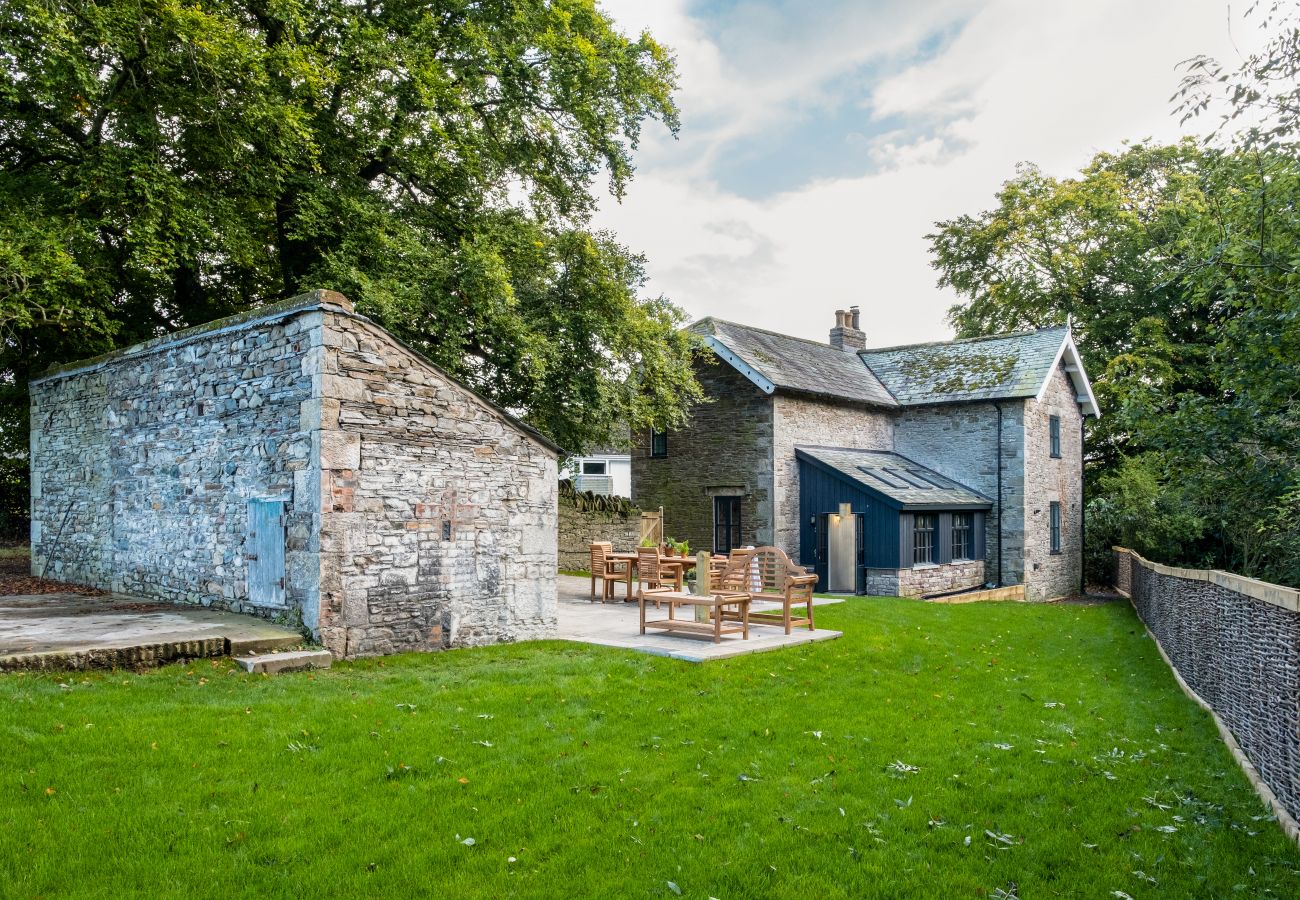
{"x":415,"y":515}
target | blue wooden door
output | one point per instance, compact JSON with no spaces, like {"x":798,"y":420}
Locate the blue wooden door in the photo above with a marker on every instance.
{"x":264,"y":552}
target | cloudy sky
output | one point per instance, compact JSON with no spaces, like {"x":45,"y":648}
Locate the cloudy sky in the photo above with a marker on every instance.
{"x":822,"y":139}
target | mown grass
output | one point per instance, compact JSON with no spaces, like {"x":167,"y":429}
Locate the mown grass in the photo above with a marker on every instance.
{"x":934,"y":750}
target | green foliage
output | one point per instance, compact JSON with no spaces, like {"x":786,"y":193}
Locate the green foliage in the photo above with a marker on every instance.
{"x":164,"y":164}
{"x":1139,"y":508}
{"x":1177,"y":267}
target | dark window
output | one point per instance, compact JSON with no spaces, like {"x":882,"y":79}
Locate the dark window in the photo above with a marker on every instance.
{"x":1054,"y":515}
{"x":963,"y":535}
{"x":1055,"y":429}
{"x":726,"y":524}
{"x":923,"y":529}
{"x":594,"y":467}
{"x":659,"y":444}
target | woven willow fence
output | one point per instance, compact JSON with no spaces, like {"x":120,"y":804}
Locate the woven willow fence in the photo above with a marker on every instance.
{"x":1235,"y":642}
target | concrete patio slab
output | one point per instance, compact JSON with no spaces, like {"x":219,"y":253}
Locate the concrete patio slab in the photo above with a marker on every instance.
{"x":618,"y":625}
{"x":69,"y":631}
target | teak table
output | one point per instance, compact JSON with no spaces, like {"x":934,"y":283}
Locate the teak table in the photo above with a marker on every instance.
{"x":717,"y":603}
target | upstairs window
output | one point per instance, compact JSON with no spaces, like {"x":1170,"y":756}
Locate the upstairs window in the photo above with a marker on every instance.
{"x":1054,"y":427}
{"x":658,"y":444}
{"x":595,"y":467}
{"x":963,"y":535}
{"x":923,"y":531}
{"x":1054,"y":522}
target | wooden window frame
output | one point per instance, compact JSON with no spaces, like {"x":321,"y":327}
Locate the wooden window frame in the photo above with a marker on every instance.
{"x":932,"y":545}
{"x":658,"y":444}
{"x":1054,"y":436}
{"x":1054,"y":527}
{"x":963,"y":523}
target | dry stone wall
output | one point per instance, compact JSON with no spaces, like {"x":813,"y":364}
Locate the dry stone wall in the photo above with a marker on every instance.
{"x":1236,"y":643}
{"x":580,"y":528}
{"x":439,"y":527}
{"x":144,"y":462}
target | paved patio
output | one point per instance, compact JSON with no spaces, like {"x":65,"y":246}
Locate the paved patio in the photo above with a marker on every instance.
{"x":618,"y":625}
{"x":70,"y":631}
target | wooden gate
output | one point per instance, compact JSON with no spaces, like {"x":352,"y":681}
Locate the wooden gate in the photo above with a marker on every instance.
{"x":652,"y":526}
{"x":264,"y":552}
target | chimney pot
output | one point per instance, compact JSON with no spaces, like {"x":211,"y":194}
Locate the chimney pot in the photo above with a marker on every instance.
{"x":855,"y":317}
{"x":845,"y":335}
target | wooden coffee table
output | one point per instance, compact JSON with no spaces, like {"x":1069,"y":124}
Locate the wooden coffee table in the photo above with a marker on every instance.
{"x":717,"y":602}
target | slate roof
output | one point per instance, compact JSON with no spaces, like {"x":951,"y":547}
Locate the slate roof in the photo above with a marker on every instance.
{"x":986,"y":368}
{"x":899,"y":480}
{"x":796,"y":364}
{"x":1003,"y":366}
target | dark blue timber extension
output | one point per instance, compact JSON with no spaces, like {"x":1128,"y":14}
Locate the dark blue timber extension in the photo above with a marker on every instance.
{"x":884,"y":491}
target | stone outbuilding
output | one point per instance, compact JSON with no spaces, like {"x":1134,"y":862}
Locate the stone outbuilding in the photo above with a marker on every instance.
{"x":300,"y":463}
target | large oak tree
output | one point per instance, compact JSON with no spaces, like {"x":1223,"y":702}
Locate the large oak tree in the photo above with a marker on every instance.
{"x":166,"y":162}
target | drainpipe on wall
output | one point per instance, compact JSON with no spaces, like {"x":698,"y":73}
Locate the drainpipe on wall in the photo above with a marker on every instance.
{"x":1083,"y":505}
{"x":998,"y":406}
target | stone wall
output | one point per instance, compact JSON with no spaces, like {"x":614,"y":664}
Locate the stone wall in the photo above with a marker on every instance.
{"x":799,"y":421}
{"x":1235,"y":642}
{"x":961,"y":441}
{"x":1050,"y":575}
{"x":580,"y":528}
{"x":439,"y":527}
{"x":725,"y":449}
{"x":144,"y":461}
{"x":926,"y":581}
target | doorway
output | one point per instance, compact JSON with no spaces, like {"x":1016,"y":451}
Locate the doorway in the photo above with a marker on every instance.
{"x":726,"y":524}
{"x":842,"y":551}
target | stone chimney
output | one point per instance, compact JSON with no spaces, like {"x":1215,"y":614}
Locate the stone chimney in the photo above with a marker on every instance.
{"x":846,"y":335}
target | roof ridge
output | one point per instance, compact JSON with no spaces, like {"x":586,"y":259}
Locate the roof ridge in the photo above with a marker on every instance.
{"x":969,"y":340}
{"x":788,"y":337}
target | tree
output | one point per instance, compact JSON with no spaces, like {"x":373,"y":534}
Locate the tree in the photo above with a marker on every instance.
{"x":166,"y":162}
{"x":1178,"y":267}
{"x":1102,"y":251}
{"x":1261,"y":96}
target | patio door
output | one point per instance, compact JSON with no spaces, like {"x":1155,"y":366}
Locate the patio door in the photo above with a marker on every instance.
{"x":726,"y":524}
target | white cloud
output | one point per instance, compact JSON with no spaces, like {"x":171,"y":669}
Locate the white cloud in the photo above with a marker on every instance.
{"x":1051,"y":82}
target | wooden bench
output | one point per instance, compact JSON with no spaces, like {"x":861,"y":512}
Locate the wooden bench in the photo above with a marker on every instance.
{"x":766,"y":573}
{"x":718,"y":613}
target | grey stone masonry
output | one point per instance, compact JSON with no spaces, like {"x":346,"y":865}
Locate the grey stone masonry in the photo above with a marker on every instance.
{"x":726,"y":450}
{"x":440,"y":515}
{"x":1051,"y":479}
{"x":926,"y":581}
{"x":960,"y":440}
{"x":800,"y":420}
{"x":406,"y":512}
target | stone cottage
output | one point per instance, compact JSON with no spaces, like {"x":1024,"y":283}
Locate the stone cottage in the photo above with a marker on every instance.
{"x":913,"y":471}
{"x":299,"y":463}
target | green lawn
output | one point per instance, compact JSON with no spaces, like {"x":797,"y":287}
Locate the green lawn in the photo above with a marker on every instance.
{"x":934,"y":750}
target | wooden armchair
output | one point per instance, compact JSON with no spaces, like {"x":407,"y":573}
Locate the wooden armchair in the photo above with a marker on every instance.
{"x":609,"y":571}
{"x":768,"y":574}
{"x":653,"y":577}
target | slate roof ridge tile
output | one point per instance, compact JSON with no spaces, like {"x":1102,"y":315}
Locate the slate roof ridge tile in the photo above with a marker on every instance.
{"x":970,"y":340}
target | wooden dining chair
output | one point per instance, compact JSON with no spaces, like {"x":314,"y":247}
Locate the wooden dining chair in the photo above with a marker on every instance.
{"x":651,"y":575}
{"x":609,"y":571}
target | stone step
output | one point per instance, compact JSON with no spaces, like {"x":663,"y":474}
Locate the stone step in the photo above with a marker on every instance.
{"x":291,"y":661}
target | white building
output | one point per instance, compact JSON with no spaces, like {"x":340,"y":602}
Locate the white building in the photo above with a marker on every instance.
{"x":601,"y":473}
